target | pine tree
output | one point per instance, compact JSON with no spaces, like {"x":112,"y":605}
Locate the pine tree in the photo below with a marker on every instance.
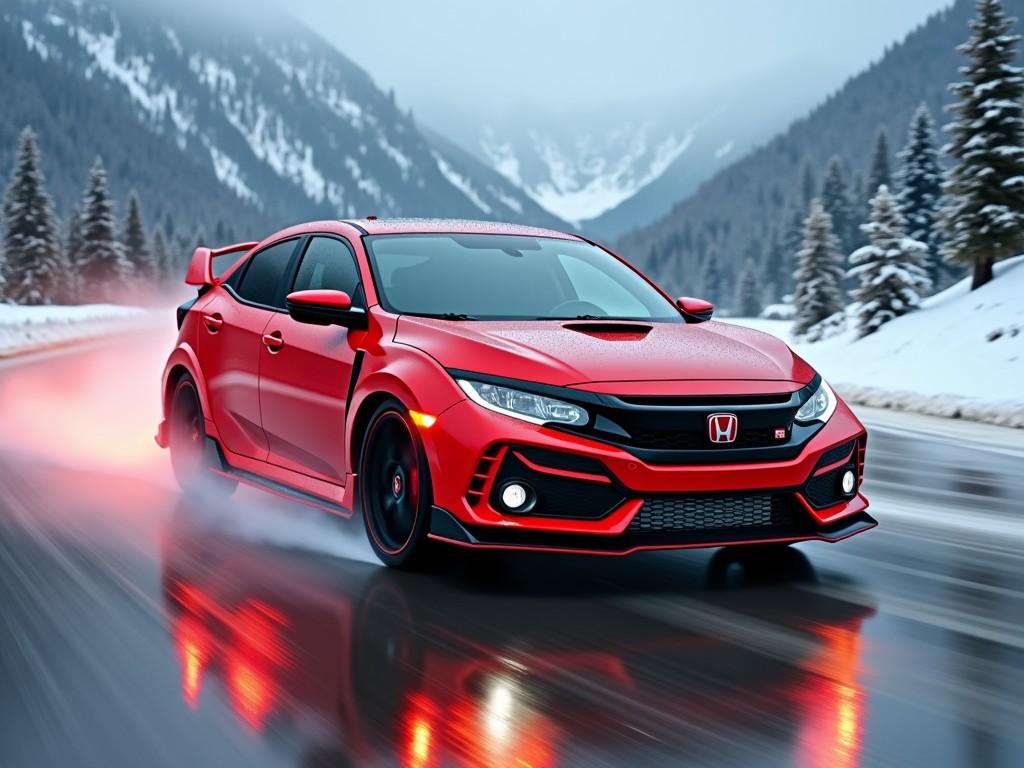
{"x":983,"y":220}
{"x":711,"y":284}
{"x":792,"y":242}
{"x":133,"y":242}
{"x":774,"y":268}
{"x":73,"y":250}
{"x":880,"y":172}
{"x":809,"y":187}
{"x":162,"y":257}
{"x":920,"y":192}
{"x":103,"y":270}
{"x":35,"y":268}
{"x":835,"y":199}
{"x":748,"y":291}
{"x":891,"y":269}
{"x":818,"y":274}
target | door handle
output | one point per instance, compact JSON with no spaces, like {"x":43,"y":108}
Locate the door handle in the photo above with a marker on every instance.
{"x":213,"y":322}
{"x":273,"y":342}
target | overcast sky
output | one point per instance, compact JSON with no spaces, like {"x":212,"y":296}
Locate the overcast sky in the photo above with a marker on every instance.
{"x":581,"y":54}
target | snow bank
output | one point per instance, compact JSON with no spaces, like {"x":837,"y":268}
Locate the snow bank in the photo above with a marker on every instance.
{"x":24,"y":329}
{"x":961,"y":355}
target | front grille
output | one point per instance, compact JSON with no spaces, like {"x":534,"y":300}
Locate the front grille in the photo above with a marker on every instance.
{"x":694,"y":440}
{"x":703,"y":513}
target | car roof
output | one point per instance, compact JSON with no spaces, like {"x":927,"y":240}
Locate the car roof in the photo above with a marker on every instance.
{"x":397,"y":226}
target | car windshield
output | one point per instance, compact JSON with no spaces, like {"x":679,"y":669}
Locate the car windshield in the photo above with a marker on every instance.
{"x":504,"y":277}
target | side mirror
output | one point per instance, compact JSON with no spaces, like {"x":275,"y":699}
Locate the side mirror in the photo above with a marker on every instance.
{"x":695,"y":310}
{"x":325,"y":308}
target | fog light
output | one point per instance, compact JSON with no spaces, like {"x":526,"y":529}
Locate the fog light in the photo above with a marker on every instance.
{"x":848,"y":482}
{"x":514,"y":496}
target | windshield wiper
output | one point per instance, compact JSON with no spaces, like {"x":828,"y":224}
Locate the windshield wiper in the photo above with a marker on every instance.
{"x":451,"y":316}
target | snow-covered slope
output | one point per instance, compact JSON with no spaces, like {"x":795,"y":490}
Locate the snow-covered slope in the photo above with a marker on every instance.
{"x":961,"y":354}
{"x":288,"y":125}
{"x":25,"y":329}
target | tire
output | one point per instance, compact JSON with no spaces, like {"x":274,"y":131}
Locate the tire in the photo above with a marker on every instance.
{"x":395,"y":493}
{"x":190,"y":456}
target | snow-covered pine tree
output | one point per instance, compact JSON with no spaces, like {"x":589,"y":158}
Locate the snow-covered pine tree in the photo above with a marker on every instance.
{"x":73,"y":252}
{"x":818,"y":274}
{"x":835,"y":199}
{"x":133,"y":242}
{"x":103,"y":271}
{"x":920,"y":190}
{"x":748,"y":291}
{"x":880,"y":172}
{"x":35,"y":268}
{"x":983,"y":220}
{"x":891,"y":268}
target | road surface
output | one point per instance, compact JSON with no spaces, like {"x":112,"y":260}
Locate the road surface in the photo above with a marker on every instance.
{"x":140,"y":629}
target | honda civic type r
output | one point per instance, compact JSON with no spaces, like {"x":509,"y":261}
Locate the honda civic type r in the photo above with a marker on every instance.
{"x":499,"y":386}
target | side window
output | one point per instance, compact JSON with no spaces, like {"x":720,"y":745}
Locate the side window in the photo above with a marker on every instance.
{"x":328,"y":264}
{"x":261,"y":282}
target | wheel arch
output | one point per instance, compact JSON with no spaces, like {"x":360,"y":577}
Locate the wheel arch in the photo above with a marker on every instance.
{"x":416,"y":381}
{"x":182,"y":362}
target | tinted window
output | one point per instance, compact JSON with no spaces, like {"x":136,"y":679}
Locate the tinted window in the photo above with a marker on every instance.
{"x":327,"y":265}
{"x":262,"y":280}
{"x":510,"y":277}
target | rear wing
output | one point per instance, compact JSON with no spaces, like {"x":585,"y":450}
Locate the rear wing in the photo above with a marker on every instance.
{"x":200,"y":269}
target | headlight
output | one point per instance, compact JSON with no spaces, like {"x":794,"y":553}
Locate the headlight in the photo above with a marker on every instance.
{"x":820,"y":405}
{"x":527,"y":406}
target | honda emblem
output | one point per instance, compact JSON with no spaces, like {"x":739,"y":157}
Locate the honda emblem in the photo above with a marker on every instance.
{"x":723,"y":427}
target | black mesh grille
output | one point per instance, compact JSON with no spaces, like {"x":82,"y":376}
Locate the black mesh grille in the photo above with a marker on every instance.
{"x":701,"y":513}
{"x":838,"y":453}
{"x":693,"y":440}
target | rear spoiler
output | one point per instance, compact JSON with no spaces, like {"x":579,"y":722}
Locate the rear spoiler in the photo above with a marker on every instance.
{"x":200,"y":269}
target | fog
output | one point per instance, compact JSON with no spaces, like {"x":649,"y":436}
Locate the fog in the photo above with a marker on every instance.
{"x":468,"y":60}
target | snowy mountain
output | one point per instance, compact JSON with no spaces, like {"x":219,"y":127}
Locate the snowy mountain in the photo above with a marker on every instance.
{"x":245,"y":112}
{"x":580,"y":176}
{"x":623,"y":166}
{"x":740,"y":211}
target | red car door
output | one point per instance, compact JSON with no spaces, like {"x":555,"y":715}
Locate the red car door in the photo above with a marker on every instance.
{"x":231,"y":344}
{"x":304,"y":382}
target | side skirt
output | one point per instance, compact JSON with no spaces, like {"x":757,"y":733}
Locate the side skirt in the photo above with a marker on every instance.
{"x":281,"y":490}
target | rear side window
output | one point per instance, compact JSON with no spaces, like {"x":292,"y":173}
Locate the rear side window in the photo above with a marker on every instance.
{"x":262,"y":280}
{"x":328,"y":264}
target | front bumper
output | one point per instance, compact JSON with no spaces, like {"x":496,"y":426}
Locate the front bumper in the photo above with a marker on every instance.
{"x":606,"y":500}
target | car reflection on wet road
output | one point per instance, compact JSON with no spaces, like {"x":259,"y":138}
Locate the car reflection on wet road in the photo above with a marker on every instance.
{"x":139,"y":627}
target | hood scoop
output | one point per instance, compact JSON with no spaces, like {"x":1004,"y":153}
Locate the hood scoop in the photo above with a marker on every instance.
{"x":610,"y":331}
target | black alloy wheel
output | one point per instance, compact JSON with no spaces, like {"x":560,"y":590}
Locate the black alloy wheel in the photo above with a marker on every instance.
{"x":395,"y":490}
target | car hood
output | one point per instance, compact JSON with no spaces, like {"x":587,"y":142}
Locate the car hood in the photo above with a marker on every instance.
{"x":567,"y":353}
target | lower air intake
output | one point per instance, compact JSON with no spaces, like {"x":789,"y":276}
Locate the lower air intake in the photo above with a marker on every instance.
{"x":702,"y":513}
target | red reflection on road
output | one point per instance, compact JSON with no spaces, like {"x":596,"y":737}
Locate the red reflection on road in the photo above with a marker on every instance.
{"x":833,"y":703}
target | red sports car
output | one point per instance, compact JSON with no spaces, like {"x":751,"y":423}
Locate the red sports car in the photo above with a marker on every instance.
{"x":498,"y":386}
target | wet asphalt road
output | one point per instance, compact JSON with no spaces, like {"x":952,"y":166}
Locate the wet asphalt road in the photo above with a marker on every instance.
{"x":140,"y":629}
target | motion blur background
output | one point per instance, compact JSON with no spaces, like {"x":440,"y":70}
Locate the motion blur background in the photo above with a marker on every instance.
{"x":804,"y":165}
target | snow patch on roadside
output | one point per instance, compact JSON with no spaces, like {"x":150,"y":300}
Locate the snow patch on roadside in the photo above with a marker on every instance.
{"x":26,"y":329}
{"x":960,"y":356}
